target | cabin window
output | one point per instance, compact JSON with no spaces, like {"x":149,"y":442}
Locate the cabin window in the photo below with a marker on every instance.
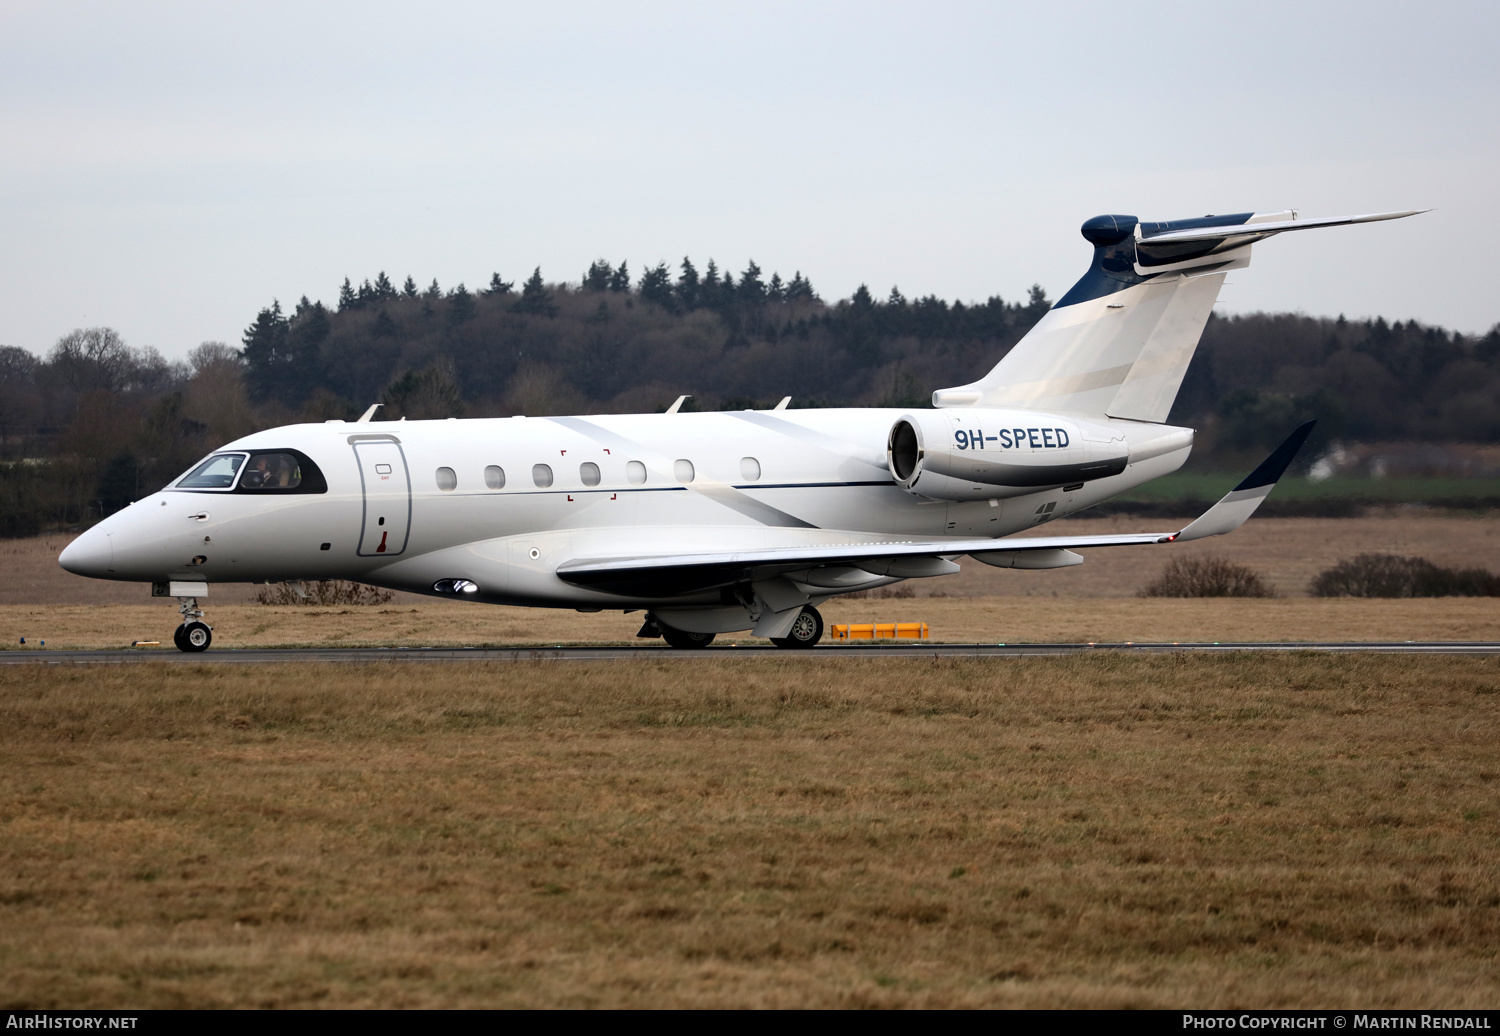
{"x":635,"y":472}
{"x":214,"y":473}
{"x":494,"y":477}
{"x":271,"y":471}
{"x":588,"y":473}
{"x":447,"y":480}
{"x":541,"y":474}
{"x":750,"y":469}
{"x":683,"y":469}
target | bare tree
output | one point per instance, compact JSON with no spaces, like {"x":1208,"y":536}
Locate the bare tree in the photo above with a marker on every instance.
{"x":215,"y":356}
{"x":93,"y":358}
{"x":19,"y":405}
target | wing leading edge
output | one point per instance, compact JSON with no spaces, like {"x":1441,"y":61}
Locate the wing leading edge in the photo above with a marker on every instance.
{"x":668,"y":575}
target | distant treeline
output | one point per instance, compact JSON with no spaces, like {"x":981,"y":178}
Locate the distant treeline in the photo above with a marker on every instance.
{"x":98,"y":423}
{"x":613,"y":344}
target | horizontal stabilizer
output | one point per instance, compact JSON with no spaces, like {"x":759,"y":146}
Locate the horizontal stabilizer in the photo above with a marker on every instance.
{"x":1267,"y":229}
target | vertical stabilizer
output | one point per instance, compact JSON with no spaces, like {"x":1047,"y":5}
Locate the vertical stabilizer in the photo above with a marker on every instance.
{"x":1162,"y":361}
{"x":1120,"y":341}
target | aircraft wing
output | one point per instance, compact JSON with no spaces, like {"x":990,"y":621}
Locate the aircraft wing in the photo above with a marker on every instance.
{"x":668,"y":575}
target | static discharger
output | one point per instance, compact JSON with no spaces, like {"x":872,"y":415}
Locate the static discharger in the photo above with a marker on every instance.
{"x":881,"y":631}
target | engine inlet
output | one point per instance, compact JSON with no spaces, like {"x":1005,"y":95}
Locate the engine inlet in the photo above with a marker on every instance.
{"x":904,"y":451}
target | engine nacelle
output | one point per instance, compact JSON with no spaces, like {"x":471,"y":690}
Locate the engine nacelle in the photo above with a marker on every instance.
{"x":969,"y":453}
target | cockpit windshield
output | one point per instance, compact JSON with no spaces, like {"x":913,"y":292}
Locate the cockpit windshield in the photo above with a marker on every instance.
{"x":262,"y":471}
{"x":272,"y":471}
{"x":215,"y":473}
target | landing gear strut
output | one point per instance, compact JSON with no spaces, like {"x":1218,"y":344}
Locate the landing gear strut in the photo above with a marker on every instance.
{"x":806,"y":631}
{"x":194,"y":634}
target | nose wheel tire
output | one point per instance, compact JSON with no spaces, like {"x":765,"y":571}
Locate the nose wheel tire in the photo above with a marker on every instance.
{"x":192,"y":636}
{"x":806,"y":631}
{"x":684,"y":639}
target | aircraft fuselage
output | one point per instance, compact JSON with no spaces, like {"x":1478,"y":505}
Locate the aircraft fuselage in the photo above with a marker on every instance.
{"x":502,"y":502}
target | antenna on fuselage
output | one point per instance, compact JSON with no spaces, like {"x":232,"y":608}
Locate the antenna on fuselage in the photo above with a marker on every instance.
{"x":678,"y":405}
{"x":369,"y":415}
{"x":782,"y":405}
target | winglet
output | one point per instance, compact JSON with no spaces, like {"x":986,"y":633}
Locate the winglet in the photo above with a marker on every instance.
{"x":1241,"y":501}
{"x":1273,"y":467}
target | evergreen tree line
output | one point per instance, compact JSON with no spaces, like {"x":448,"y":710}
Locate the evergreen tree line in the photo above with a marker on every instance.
{"x":1256,"y":376}
{"x":608,"y":342}
{"x":98,"y":423}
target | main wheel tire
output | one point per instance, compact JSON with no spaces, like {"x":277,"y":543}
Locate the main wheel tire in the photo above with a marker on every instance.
{"x":684,"y":639}
{"x":196,"y":636}
{"x":807,"y":630}
{"x":177,"y":639}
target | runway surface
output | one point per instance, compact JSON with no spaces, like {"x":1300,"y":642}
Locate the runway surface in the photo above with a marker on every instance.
{"x":611,"y":653}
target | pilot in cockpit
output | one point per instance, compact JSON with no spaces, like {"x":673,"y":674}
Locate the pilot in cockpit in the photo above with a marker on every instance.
{"x":268,"y":471}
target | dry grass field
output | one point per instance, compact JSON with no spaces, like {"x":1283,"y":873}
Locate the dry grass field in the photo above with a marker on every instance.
{"x":1107,"y":831}
{"x":1243,"y":830}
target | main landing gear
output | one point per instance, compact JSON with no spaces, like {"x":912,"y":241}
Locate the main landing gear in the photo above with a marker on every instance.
{"x":194,"y":634}
{"x":806,"y":630}
{"x":684,"y":639}
{"x":654,"y":627}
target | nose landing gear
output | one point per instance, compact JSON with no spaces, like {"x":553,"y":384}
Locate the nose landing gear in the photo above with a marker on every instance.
{"x":194,"y":634}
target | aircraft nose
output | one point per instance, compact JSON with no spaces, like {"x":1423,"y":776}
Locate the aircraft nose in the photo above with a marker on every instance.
{"x":89,"y":555}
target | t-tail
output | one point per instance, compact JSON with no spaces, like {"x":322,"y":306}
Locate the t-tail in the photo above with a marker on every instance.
{"x":1119,"y":342}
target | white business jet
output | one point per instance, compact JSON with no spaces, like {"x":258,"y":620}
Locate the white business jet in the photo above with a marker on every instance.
{"x":717,"y":522}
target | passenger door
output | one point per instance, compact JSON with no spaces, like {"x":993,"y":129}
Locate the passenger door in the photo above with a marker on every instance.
{"x":387,"y":498}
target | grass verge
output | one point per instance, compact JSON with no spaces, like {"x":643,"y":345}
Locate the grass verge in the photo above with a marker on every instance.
{"x":1255,"y":831}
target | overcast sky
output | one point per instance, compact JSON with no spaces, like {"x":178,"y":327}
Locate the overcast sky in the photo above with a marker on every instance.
{"x":166,"y":169}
